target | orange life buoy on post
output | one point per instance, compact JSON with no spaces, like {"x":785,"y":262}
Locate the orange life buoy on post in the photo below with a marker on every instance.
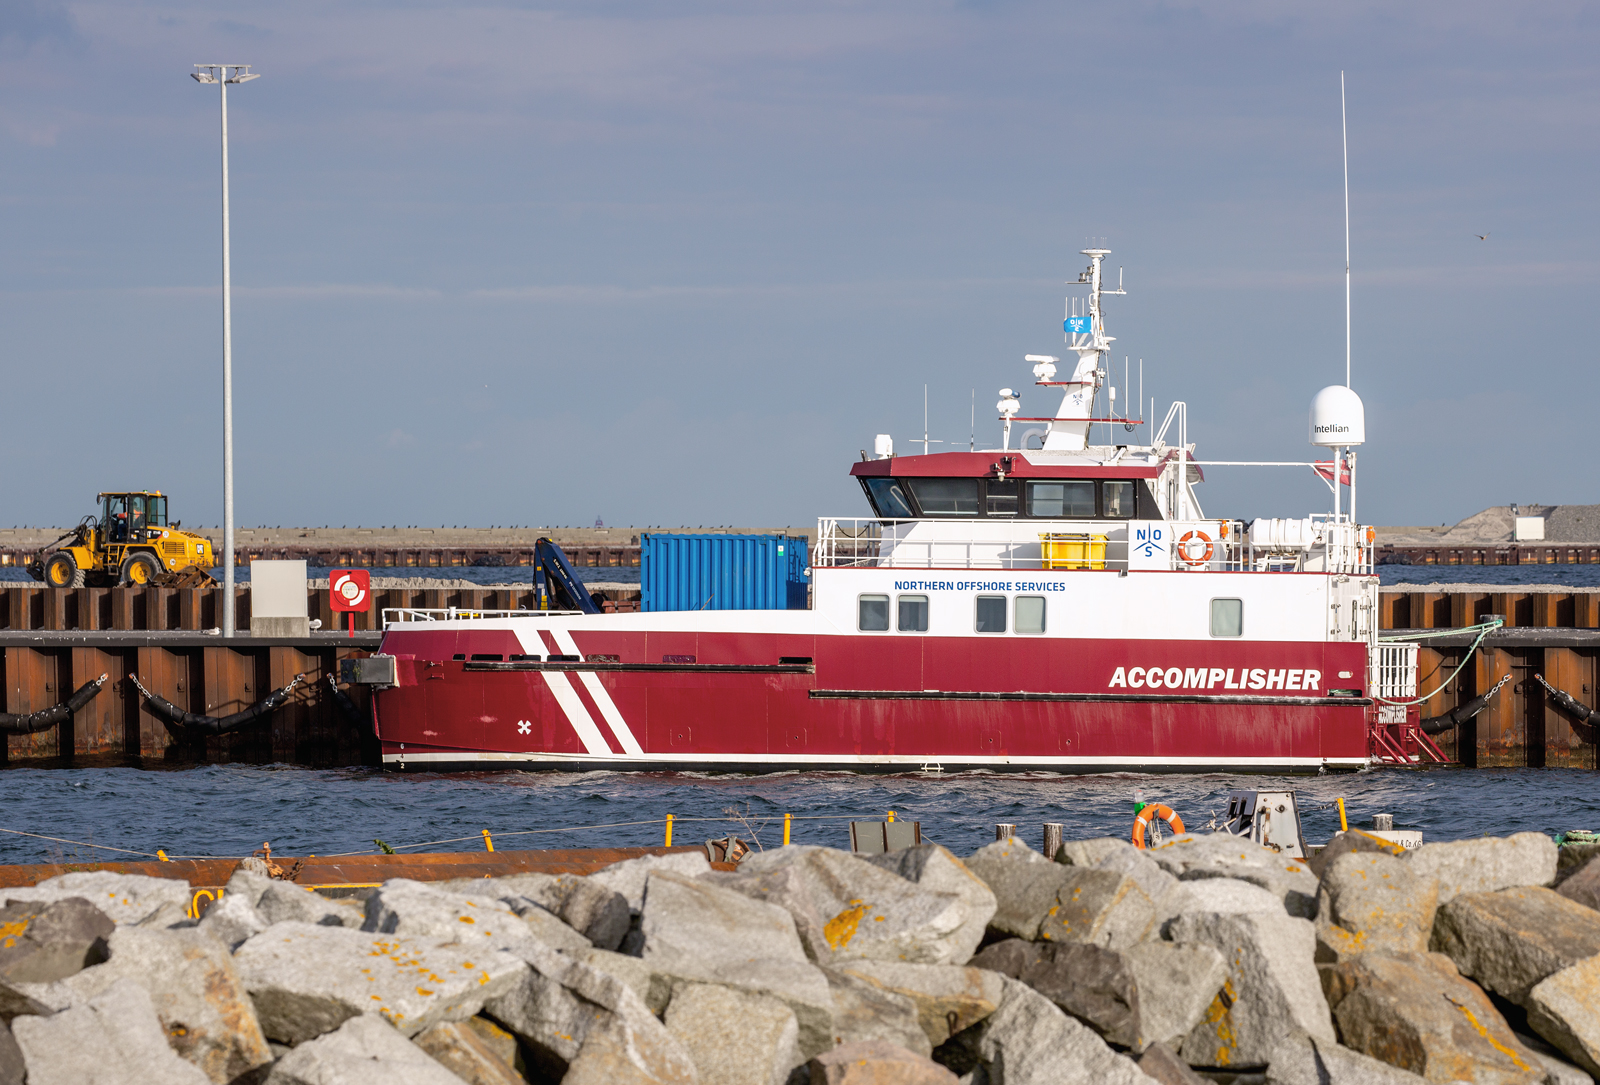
{"x":1149,"y":814}
{"x":1183,"y":548}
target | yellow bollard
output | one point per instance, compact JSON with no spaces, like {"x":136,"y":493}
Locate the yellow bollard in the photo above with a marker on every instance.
{"x":162,"y":855}
{"x":891,"y":817}
{"x":669,"y":830}
{"x":787,"y":818}
{"x":487,"y":843}
{"x":1344,"y":826}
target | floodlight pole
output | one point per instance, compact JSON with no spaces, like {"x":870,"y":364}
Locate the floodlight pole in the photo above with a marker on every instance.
{"x":218,"y":73}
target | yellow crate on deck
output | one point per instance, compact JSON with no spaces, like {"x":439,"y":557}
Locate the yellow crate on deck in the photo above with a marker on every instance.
{"x":1072,"y":550}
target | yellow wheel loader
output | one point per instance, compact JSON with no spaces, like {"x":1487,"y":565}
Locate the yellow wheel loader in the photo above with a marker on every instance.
{"x":129,"y":544}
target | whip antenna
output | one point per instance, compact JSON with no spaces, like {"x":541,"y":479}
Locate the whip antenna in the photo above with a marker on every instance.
{"x":1344,"y":127}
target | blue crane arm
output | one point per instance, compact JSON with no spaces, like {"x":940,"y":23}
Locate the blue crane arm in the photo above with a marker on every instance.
{"x":552,"y":566}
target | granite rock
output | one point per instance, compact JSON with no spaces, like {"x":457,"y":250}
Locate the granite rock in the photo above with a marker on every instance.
{"x":734,"y":1037}
{"x":567,"y":1012}
{"x":846,"y":908}
{"x":306,"y":980}
{"x":41,"y":942}
{"x":113,"y":1039}
{"x":1564,"y":1008}
{"x":1177,"y":984}
{"x":460,"y":1049}
{"x":864,"y":1011}
{"x":948,"y":998}
{"x":124,"y":898}
{"x":876,"y":1062}
{"x":1194,"y":856}
{"x":1028,"y":1041}
{"x":1485,"y":865}
{"x":1303,"y":1060}
{"x":1161,"y":1064}
{"x":1370,"y":902}
{"x":422,"y":909}
{"x":1094,"y":985}
{"x":628,"y":877}
{"x":1271,"y":990}
{"x":1349,"y":841}
{"x":1583,"y":885}
{"x":1416,"y":1012}
{"x":1511,"y":939}
{"x":935,"y":868}
{"x":233,"y":920}
{"x":1227,"y":896}
{"x":363,"y":1050}
{"x":13,"y":1070}
{"x":196,"y":992}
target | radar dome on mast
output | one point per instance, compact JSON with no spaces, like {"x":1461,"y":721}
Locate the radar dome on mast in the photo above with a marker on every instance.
{"x":1338,"y":419}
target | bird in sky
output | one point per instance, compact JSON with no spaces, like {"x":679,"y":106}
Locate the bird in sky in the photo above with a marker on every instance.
{"x":1481,"y":237}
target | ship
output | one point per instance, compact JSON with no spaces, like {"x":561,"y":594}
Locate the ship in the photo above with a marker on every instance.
{"x":1051,"y":605}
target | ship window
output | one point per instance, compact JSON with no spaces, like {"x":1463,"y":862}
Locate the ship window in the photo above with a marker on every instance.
{"x":888,"y":498}
{"x":1116,"y":498}
{"x":487,"y":657}
{"x":1030,"y":613}
{"x":1061,"y":500}
{"x":1001,"y":497}
{"x":1227,"y":617}
{"x":872,"y":613}
{"x":991,"y":614}
{"x":913,"y":613}
{"x":946,"y":496}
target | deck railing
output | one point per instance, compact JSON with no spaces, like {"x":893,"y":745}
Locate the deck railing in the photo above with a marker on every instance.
{"x":1339,"y":546}
{"x":402,"y":615}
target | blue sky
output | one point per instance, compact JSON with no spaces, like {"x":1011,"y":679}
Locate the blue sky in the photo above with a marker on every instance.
{"x":677,"y":263}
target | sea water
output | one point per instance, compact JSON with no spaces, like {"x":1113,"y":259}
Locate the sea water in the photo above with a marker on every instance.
{"x":231,"y":810}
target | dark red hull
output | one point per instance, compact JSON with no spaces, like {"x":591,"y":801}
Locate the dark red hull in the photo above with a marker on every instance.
{"x":769,"y":701}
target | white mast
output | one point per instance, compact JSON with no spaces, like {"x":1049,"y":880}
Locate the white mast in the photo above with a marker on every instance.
{"x":1070,"y":430}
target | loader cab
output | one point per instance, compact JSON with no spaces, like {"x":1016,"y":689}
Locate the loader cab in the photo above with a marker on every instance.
{"x":128,"y":517}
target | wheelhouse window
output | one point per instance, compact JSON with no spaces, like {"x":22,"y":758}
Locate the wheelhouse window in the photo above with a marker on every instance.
{"x":1116,"y":500}
{"x":872,"y":613}
{"x":1000,"y":497}
{"x":913,"y":613}
{"x":888,"y":498}
{"x":991,"y":614}
{"x":1227,"y":617}
{"x":945,"y":496}
{"x":1029,"y":613}
{"x":1061,"y":500}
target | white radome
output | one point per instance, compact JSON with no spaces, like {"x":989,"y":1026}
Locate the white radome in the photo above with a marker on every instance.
{"x":1338,"y":418}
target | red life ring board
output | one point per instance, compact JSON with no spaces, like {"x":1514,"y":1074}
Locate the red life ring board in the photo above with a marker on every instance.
{"x":1183,"y":548}
{"x":1149,"y":814}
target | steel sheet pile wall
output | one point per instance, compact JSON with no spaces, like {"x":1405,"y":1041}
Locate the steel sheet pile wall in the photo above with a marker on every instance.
{"x":723,"y":572}
{"x":116,"y":726}
{"x":1551,"y":633}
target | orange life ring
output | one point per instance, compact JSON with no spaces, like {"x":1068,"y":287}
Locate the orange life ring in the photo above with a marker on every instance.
{"x":1150,"y":813}
{"x":1183,"y":548}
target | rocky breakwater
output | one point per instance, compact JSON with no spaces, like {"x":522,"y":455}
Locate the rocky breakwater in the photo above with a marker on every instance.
{"x":1209,"y":958}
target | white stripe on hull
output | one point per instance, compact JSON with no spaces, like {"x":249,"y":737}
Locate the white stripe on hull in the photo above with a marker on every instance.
{"x":602,"y":699}
{"x":567,"y":697}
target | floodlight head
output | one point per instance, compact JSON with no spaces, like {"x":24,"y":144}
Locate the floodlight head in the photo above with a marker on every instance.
{"x":202,"y":77}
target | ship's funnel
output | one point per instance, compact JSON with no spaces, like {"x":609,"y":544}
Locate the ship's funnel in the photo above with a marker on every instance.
{"x":1337,"y":418}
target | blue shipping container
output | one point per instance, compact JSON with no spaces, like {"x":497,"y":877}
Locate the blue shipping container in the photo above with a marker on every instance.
{"x":723,"y":572}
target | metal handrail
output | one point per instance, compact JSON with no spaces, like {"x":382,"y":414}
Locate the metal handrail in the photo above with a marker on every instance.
{"x":402,"y":615}
{"x":866,"y":542}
